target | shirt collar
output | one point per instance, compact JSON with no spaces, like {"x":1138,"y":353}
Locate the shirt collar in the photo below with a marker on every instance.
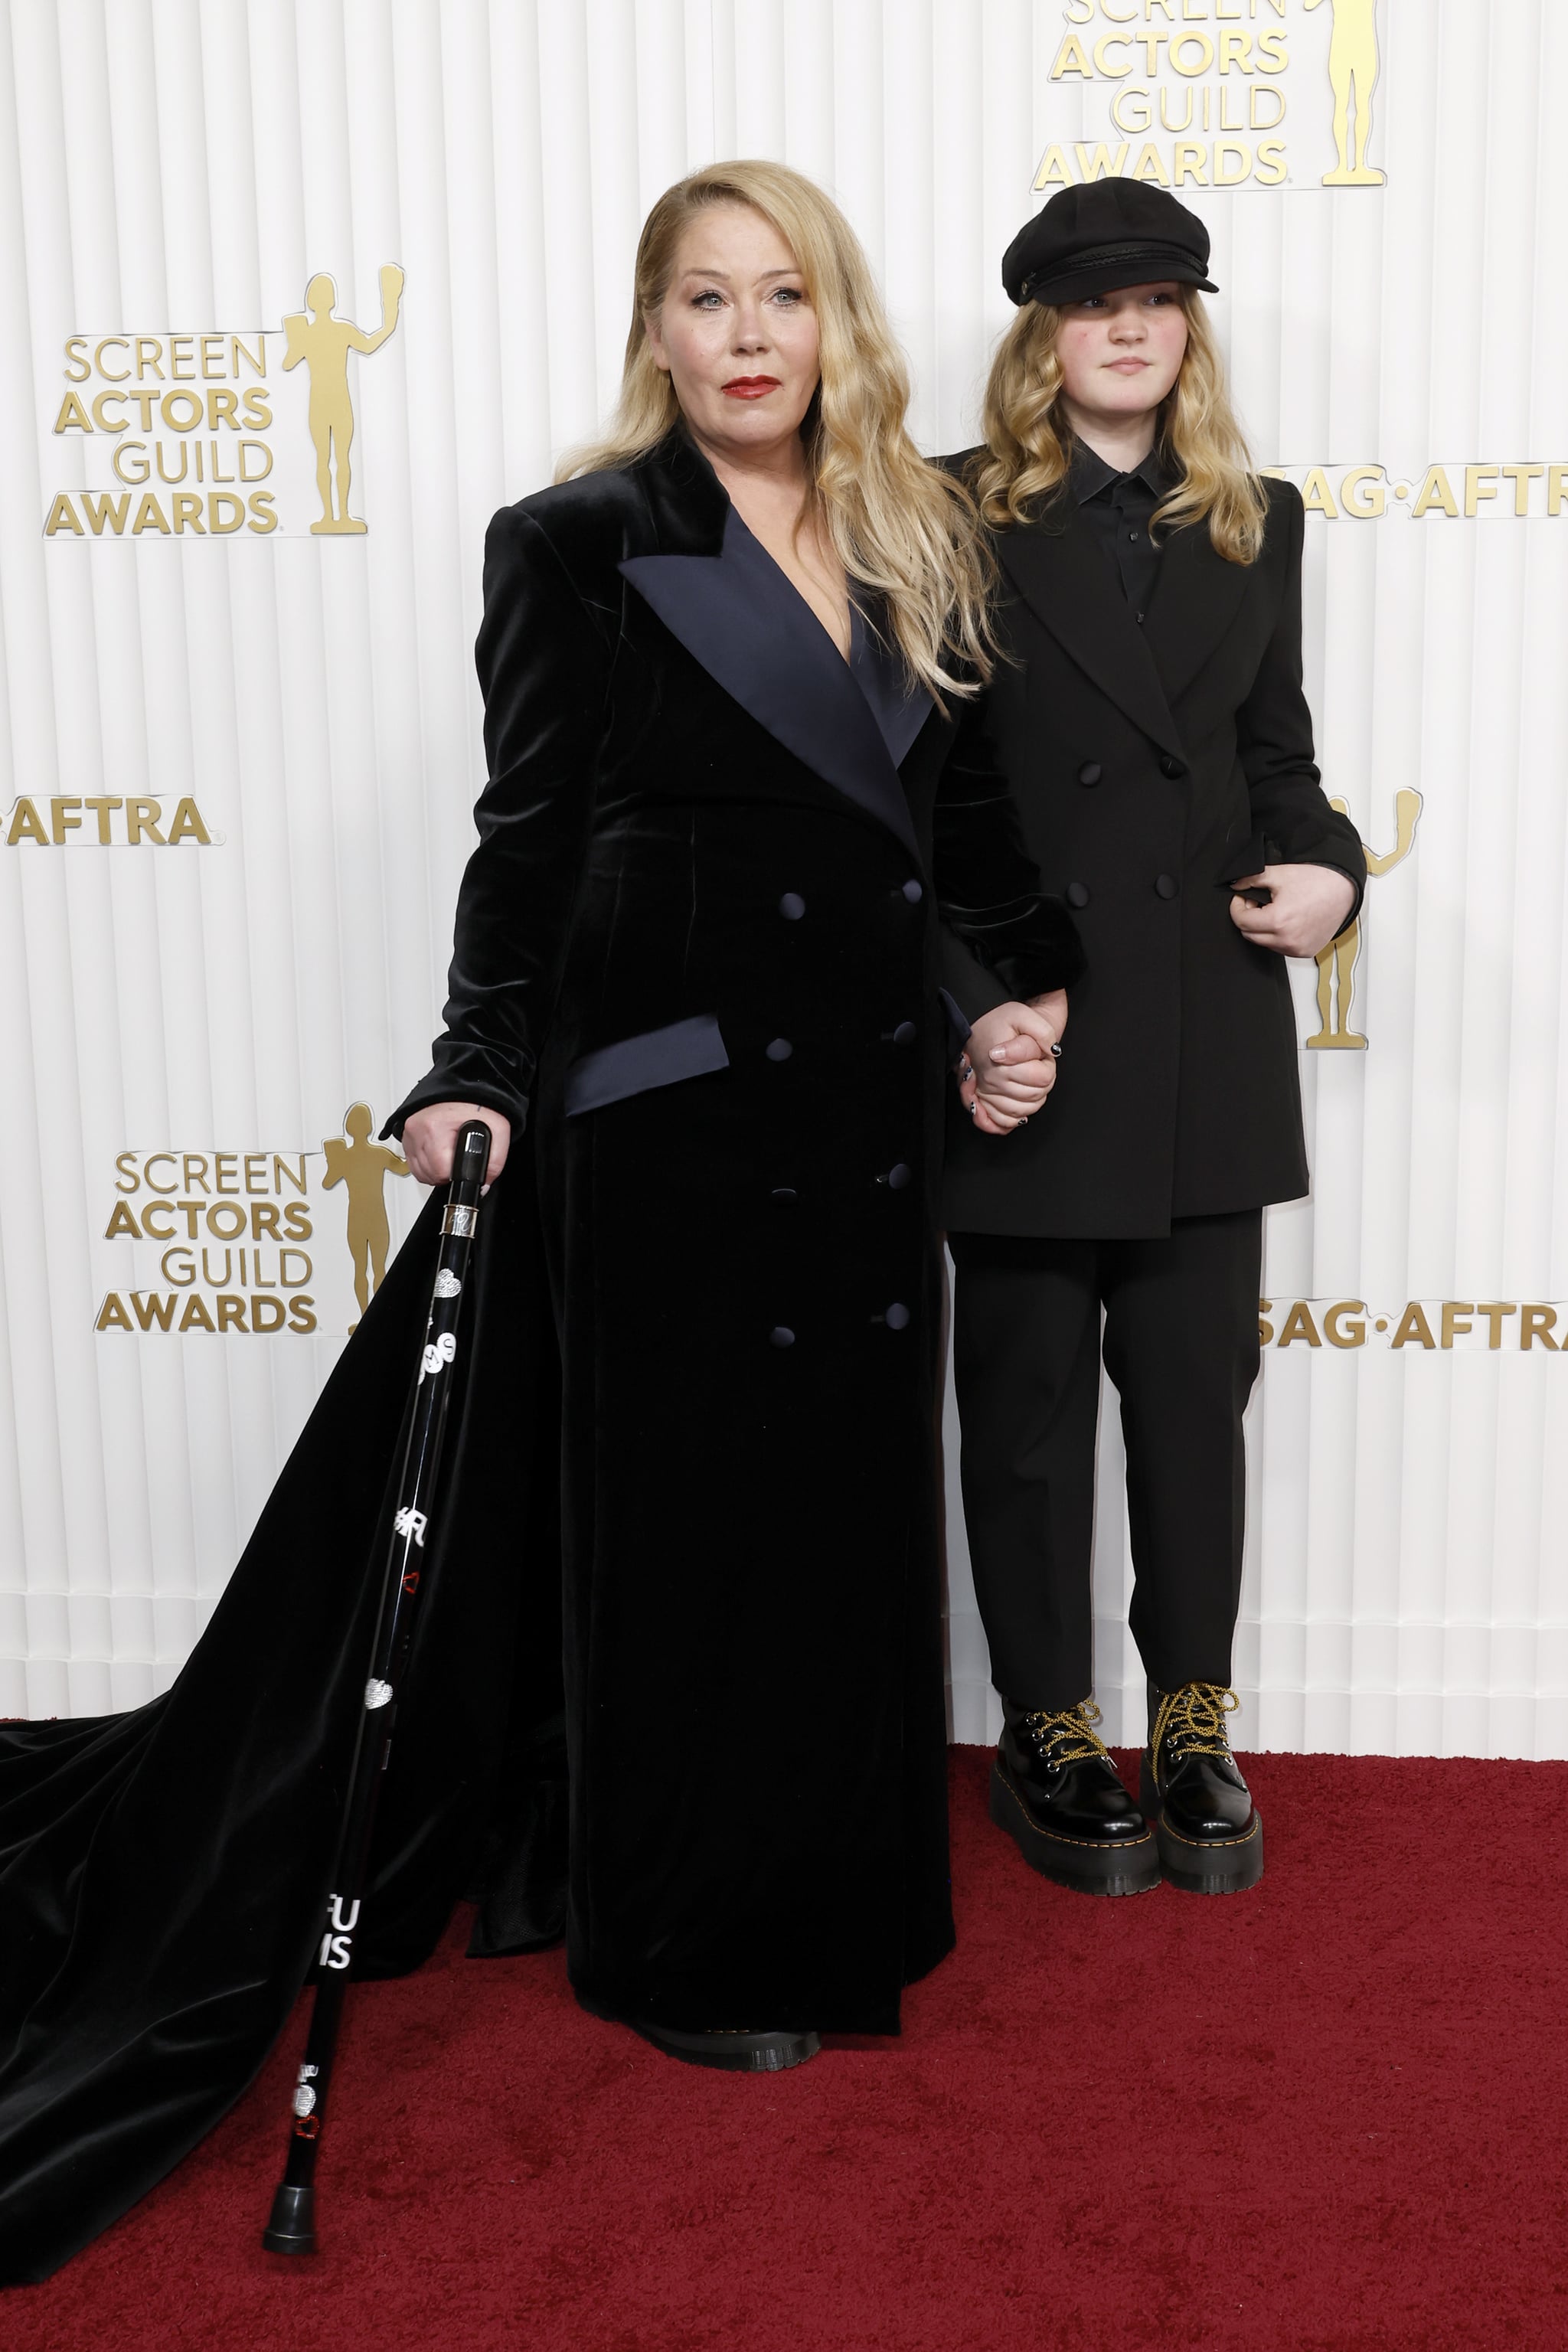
{"x":1091,"y":474}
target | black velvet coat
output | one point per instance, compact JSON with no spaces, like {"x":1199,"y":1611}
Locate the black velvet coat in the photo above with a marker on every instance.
{"x":678,"y":1681}
{"x":1153,"y":765}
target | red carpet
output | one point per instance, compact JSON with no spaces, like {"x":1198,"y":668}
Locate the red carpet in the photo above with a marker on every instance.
{"x":1329,"y":2114}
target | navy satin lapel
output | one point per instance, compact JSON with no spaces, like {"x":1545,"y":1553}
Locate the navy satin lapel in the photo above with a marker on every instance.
{"x":878,"y":671}
{"x":738,"y":615}
{"x":1195,"y":599}
{"x":1066,"y":582}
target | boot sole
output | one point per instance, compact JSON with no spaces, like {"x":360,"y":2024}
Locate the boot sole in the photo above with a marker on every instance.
{"x":1202,"y":1866}
{"x":1088,"y":1865}
{"x":732,"y":2054}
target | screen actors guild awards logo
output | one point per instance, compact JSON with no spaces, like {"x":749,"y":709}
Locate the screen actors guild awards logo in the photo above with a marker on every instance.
{"x":174,"y":434}
{"x":324,"y":342}
{"x":1128,"y":73}
{"x":355,"y":1160}
{"x":1352,"y":70}
{"x":1337,"y":961}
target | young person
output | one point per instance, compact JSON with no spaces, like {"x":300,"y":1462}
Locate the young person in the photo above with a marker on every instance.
{"x":741,"y":840}
{"x":1148,"y":712}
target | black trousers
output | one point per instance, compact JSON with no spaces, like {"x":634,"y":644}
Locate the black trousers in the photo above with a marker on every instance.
{"x":1180,"y":1344}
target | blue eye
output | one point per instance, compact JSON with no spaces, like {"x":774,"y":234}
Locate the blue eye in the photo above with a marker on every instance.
{"x":709,"y":296}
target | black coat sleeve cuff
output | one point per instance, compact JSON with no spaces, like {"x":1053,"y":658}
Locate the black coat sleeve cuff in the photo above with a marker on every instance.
{"x":446,"y":1084}
{"x":1034,"y":950}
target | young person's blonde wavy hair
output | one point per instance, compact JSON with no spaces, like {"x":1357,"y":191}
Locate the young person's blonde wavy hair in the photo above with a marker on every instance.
{"x":1029,"y":441}
{"x":904,"y":532}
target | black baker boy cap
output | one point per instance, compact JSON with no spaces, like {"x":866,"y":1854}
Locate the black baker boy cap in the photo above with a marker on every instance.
{"x":1107,"y":234}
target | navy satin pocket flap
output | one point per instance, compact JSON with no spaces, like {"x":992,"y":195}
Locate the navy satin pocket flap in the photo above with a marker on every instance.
{"x":632,"y":1065}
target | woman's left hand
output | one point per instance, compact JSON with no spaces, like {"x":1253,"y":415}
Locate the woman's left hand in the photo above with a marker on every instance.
{"x":1307,"y":907}
{"x":1008,"y":1068}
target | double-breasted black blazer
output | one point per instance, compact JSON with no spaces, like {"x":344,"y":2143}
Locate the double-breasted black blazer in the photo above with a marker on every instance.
{"x":724,"y":879}
{"x":1154,"y":764}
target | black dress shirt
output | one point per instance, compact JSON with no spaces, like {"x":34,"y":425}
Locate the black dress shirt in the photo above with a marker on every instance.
{"x":1117,"y":509}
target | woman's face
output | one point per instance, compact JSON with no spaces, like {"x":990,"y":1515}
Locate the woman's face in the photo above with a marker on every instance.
{"x":1120,"y":353}
{"x":737,"y":333}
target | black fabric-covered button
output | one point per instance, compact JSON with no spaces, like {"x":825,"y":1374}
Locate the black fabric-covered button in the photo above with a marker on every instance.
{"x":913,"y":892}
{"x":897,"y":1176}
{"x":898,"y":1315}
{"x":782,"y":1335}
{"x":1171,"y":766}
{"x":780,"y":1050}
{"x":784,"y":1194}
{"x":905,"y":1033}
{"x":1077,"y":894}
{"x":1167,"y":885}
{"x":791,"y":906}
{"x":1090,"y":772}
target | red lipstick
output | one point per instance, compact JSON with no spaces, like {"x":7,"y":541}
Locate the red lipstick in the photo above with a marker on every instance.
{"x":750,"y":387}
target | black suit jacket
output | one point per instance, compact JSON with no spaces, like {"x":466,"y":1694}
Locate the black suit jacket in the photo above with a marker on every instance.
{"x":1152,"y":766}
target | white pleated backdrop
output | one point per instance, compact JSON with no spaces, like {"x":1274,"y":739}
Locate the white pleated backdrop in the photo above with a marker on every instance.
{"x":182,"y":167}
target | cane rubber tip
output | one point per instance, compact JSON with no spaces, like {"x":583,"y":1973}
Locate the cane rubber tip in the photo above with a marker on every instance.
{"x":473,"y":1154}
{"x":292,"y":2228}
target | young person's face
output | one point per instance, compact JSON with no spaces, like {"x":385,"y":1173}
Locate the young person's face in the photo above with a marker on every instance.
{"x":1120,"y":353}
{"x":737,"y":333}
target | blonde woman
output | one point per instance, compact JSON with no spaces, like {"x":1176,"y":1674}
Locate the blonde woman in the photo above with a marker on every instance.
{"x":740,"y":837}
{"x":1149,"y":715}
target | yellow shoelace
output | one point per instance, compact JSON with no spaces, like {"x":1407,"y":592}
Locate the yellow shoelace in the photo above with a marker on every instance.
{"x":1059,"y":1730}
{"x":1195,"y":1716}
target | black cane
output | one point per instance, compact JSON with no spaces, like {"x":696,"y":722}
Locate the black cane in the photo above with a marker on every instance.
{"x":292,"y":2227}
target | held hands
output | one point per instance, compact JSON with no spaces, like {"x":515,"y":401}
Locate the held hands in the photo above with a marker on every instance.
{"x":1307,"y":907}
{"x":1007,"y":1069}
{"x":430,"y":1136}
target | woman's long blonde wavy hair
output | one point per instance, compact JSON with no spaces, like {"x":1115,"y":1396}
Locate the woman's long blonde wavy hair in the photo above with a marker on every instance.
{"x":1029,"y":441}
{"x":904,"y":532}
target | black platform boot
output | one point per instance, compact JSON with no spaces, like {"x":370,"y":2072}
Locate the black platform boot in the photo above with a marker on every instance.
{"x":1211,"y":1838}
{"x":1056,"y":1793}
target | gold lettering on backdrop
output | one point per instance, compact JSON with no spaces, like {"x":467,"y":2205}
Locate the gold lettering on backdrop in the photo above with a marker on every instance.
{"x":1337,"y":961}
{"x":1433,"y":1327}
{"x":1514,"y":489}
{"x":364,"y":1167}
{"x":116,"y":823}
{"x":189,"y":394}
{"x":1198,"y":67}
{"x":324,"y":342}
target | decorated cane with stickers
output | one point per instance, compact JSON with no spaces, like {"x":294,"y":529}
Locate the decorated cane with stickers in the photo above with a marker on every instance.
{"x":292,"y":2229}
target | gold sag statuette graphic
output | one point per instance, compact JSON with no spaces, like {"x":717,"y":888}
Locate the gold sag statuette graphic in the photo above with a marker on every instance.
{"x":1337,"y":961}
{"x":324,"y":342}
{"x":1352,"y":70}
{"x":364,"y":1167}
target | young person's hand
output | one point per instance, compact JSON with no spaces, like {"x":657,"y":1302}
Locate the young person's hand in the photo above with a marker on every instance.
{"x":1307,"y":907}
{"x":430,"y":1138}
{"x":1008,"y":1067}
